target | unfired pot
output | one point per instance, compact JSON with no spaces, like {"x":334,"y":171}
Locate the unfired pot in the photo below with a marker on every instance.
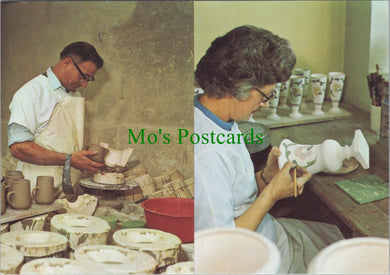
{"x":117,"y":260}
{"x":35,"y":244}
{"x":165,"y":247}
{"x":81,"y":229}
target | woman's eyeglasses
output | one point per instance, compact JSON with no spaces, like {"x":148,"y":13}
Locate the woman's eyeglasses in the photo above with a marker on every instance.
{"x":267,"y":97}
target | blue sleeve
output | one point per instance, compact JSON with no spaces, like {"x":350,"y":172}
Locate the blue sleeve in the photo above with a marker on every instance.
{"x":18,"y":133}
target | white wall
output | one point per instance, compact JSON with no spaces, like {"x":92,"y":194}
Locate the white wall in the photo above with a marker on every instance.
{"x":379,"y":36}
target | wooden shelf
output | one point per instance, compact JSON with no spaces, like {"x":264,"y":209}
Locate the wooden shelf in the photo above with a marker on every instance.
{"x":307,"y":117}
{"x":11,"y":215}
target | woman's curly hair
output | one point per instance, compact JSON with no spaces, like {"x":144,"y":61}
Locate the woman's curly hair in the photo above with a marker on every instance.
{"x":243,"y":59}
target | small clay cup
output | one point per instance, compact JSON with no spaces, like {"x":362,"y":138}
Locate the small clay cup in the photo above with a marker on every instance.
{"x":20,"y":195}
{"x":3,"y":199}
{"x":101,"y":152}
{"x":11,"y":176}
{"x":44,"y":191}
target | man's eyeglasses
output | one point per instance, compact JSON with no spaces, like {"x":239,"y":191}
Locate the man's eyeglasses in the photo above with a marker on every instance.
{"x":267,"y":97}
{"x":85,"y":78}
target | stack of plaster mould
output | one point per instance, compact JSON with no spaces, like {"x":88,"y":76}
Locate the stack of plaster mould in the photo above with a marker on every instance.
{"x":170,"y":184}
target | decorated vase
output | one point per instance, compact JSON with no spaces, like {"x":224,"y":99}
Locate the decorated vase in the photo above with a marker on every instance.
{"x":283,"y":94}
{"x":336,"y":85}
{"x":296,"y":90}
{"x":318,"y":88}
{"x":327,"y":156}
{"x":273,"y":104}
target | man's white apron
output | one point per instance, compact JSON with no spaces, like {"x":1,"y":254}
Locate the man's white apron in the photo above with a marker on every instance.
{"x":64,"y":134}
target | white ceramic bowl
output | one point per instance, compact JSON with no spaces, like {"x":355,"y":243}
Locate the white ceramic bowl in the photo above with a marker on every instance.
{"x":181,"y":268}
{"x":237,"y":250}
{"x":11,"y":258}
{"x":365,"y":255}
{"x":163,"y":246}
{"x":59,"y":266}
{"x":33,"y":243}
{"x":117,"y":260}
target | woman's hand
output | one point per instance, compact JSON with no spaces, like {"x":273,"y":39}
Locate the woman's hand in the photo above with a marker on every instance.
{"x":282,"y":184}
{"x":272,"y":167}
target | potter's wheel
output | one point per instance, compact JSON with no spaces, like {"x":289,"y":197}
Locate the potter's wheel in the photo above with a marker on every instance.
{"x":90,"y":183}
{"x":108,"y":190}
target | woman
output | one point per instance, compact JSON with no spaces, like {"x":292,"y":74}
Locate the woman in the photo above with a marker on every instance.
{"x":238,"y":74}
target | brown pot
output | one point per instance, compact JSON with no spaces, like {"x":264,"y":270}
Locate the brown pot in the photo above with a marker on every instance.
{"x":3,"y":199}
{"x":20,"y":195}
{"x":44,"y":191}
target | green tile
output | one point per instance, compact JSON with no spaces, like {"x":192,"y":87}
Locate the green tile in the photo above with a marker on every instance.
{"x":365,"y":189}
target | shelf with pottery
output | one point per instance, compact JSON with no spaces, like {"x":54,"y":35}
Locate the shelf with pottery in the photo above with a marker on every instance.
{"x":299,"y":111}
{"x":11,"y":215}
{"x":307,"y":116}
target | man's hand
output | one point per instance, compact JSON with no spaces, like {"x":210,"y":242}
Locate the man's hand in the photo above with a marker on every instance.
{"x":31,"y":152}
{"x":81,"y":161}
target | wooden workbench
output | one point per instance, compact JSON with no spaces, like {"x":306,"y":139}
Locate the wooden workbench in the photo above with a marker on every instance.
{"x":371,"y":219}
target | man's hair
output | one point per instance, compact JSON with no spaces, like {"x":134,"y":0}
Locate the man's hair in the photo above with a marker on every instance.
{"x":83,"y":51}
{"x":243,"y":59}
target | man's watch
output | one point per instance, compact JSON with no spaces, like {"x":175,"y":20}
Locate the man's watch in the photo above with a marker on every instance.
{"x":66,"y":182}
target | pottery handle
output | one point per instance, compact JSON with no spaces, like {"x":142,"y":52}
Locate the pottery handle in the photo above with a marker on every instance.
{"x":9,"y":195}
{"x":34,"y":192}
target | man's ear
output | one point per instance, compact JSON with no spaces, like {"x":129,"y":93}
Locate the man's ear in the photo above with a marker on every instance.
{"x":66,"y":62}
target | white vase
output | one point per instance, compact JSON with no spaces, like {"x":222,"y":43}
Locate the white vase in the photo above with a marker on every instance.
{"x":273,"y":104}
{"x":296,"y":91}
{"x":306,"y":74}
{"x":375,"y":118}
{"x":283,"y":94}
{"x":318,"y":88}
{"x":306,"y":88}
{"x":336,"y":85}
{"x":327,"y":156}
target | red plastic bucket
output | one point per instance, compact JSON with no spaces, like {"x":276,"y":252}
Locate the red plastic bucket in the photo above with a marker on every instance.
{"x":172,"y":215}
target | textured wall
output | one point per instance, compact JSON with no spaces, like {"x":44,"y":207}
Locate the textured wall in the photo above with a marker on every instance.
{"x":325,"y":35}
{"x":357,"y":53}
{"x":147,"y":79}
{"x":315,"y":29}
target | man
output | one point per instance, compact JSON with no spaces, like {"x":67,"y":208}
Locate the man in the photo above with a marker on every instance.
{"x":46,"y":127}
